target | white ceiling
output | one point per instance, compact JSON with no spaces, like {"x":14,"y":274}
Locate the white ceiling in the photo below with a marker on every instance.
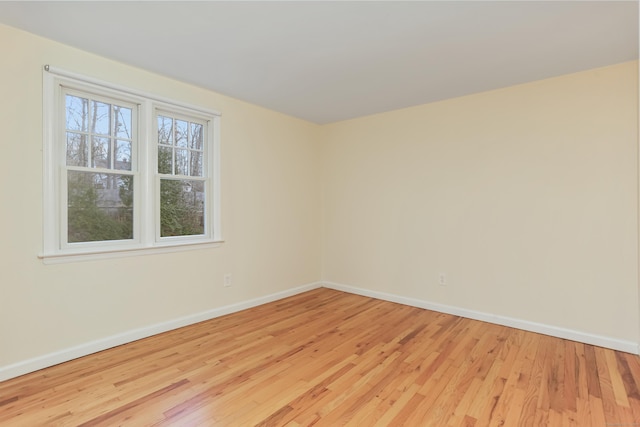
{"x":330,"y":61}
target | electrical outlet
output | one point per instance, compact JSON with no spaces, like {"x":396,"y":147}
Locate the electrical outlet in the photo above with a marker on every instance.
{"x":442,"y":279}
{"x":227,"y":280}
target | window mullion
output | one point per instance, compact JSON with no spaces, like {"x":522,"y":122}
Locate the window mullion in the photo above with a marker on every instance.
{"x":62,"y":207}
{"x":89,"y":133}
{"x":112,"y":137}
{"x":147,"y":156}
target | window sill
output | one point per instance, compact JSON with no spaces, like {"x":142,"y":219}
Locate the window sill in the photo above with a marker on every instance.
{"x":62,"y":258}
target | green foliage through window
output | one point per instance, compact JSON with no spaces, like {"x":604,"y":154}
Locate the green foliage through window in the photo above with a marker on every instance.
{"x":100,"y":207}
{"x":181,"y":208}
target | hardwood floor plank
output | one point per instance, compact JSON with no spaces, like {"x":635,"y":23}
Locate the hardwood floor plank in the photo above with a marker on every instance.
{"x":327,"y":358}
{"x":593,"y":380}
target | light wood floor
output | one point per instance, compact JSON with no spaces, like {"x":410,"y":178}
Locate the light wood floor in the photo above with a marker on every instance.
{"x":327,"y":358}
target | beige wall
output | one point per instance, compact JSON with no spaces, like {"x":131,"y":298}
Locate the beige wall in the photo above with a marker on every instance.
{"x":526,"y":197}
{"x":270,"y":215}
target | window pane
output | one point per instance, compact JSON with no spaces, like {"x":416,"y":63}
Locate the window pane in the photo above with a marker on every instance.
{"x":165,"y":161}
{"x":181,"y":207}
{"x":196,"y":136}
{"x":100,"y":152}
{"x":196,"y":163}
{"x":165,"y":130}
{"x":77,"y":113}
{"x":100,"y":207}
{"x":123,"y":122}
{"x":182,"y":162}
{"x":122,"y":155}
{"x":77,"y":149}
{"x":101,"y":118}
{"x":182,"y":131}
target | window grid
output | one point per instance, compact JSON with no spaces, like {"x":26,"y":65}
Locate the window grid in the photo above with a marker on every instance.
{"x":180,"y":146}
{"x":112,"y":149}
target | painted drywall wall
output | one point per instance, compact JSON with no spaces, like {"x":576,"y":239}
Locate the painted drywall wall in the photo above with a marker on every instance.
{"x":525,"y":197}
{"x":270,"y":216}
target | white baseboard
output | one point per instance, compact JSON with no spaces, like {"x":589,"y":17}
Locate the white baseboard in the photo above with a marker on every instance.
{"x":555,"y":331}
{"x":40,"y":362}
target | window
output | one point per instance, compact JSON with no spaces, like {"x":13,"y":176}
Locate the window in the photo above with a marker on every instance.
{"x":125,"y":171}
{"x":182,"y":181}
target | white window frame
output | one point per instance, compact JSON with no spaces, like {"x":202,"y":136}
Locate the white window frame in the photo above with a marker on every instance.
{"x":146,"y":222}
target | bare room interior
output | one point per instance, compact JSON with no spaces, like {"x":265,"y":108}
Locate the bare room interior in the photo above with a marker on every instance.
{"x":394,"y":213}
